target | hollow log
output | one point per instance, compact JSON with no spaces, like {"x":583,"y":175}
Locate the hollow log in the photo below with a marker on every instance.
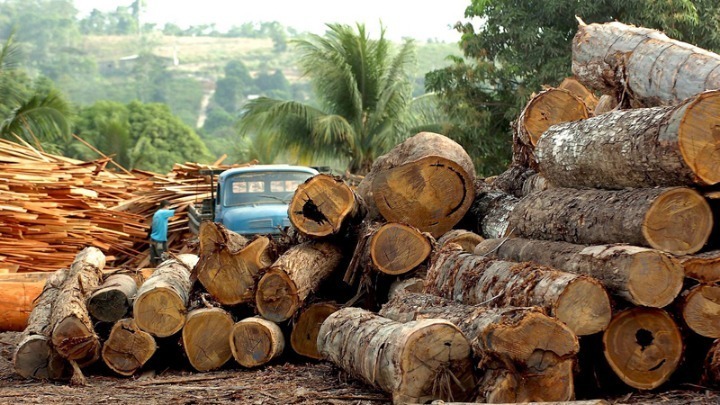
{"x":407,"y":286}
{"x":206,"y":338}
{"x":580,"y":91}
{"x":703,"y":267}
{"x":73,"y":335}
{"x":579,"y":301}
{"x":466,"y":239}
{"x":34,"y":355}
{"x":293,"y":277}
{"x":18,"y":292}
{"x":700,"y":307}
{"x":426,"y":182}
{"x":639,"y":275}
{"x":256,"y":341}
{"x":644,"y":147}
{"x":643,"y":347}
{"x":161,"y":303}
{"x":303,"y":338}
{"x":323,"y":206}
{"x":415,"y":362}
{"x":642,"y":63}
{"x":114,"y":299}
{"x":128,"y":348}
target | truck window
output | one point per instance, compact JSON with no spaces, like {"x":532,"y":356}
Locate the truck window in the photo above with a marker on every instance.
{"x":257,"y":188}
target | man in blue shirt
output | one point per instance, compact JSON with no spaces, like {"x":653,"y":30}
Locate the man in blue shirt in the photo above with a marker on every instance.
{"x":158,"y":234}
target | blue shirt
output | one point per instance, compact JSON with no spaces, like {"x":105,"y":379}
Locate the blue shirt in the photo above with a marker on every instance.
{"x":160,"y":225}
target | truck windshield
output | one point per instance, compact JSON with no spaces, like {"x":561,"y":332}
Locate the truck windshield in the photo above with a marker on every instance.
{"x":262,"y":188}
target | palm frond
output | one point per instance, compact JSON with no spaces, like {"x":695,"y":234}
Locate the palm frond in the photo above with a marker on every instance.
{"x":43,"y":117}
{"x":10,"y":54}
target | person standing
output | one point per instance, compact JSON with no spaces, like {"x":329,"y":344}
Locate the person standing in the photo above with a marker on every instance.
{"x":158,"y":232}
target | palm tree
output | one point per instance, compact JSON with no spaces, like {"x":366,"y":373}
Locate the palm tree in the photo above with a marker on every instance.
{"x":363,"y":91}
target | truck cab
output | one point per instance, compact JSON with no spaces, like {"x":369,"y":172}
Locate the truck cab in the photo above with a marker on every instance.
{"x":253,"y":200}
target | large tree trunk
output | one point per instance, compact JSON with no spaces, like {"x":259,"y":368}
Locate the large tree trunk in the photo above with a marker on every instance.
{"x":293,"y":277}
{"x":642,"y":63}
{"x":114,"y":299}
{"x":161,"y":303}
{"x":641,"y":276}
{"x":34,"y":356}
{"x":256,"y":341}
{"x":426,"y":182}
{"x":18,"y":292}
{"x":492,"y":209}
{"x":647,"y":147}
{"x":73,"y":335}
{"x":415,"y":362}
{"x":579,"y":301}
{"x":324,"y":205}
{"x":703,"y":267}
{"x":700,"y":307}
{"x":303,"y":338}
{"x":206,"y":338}
{"x":643,"y":347}
{"x":128,"y":348}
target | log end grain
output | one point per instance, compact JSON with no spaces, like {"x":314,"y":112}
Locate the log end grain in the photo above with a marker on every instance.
{"x":654,"y":278}
{"x":551,"y":107}
{"x":73,"y":340}
{"x":701,"y":310}
{"x":35,"y":358}
{"x":580,"y":91}
{"x":206,"y":338}
{"x":303,"y":338}
{"x":704,"y":267}
{"x":584,"y":306}
{"x":466,"y":239}
{"x":699,"y":137}
{"x":160,"y":312}
{"x":320,"y":205}
{"x":396,"y":249}
{"x":277,"y":296}
{"x":679,"y":221}
{"x":108,"y":305}
{"x":128,"y":348}
{"x":256,"y":341}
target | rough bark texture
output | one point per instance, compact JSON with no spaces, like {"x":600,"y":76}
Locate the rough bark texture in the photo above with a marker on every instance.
{"x":256,"y":341}
{"x":492,"y":209}
{"x":114,"y":299}
{"x":34,"y":356}
{"x":675,"y":220}
{"x":466,"y":239}
{"x":645,"y":147}
{"x":161,"y":303}
{"x":426,"y":182}
{"x":416,"y":361}
{"x":644,"y":64}
{"x":643,"y":347}
{"x":641,"y":276}
{"x":206,"y":338}
{"x":128,"y":348}
{"x":512,"y":180}
{"x":18,"y":292}
{"x":408,"y":286}
{"x":73,"y":335}
{"x":703,"y":267}
{"x":303,"y":338}
{"x":293,"y":277}
{"x":701,"y":310}
{"x":579,"y":301}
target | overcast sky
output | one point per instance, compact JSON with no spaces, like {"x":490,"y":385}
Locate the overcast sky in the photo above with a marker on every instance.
{"x":420,"y":19}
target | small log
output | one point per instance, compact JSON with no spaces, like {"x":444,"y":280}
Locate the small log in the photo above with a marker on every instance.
{"x":323,"y":206}
{"x":18,"y":292}
{"x":161,"y":303}
{"x":256,"y":341}
{"x":293,"y":277}
{"x":466,"y":239}
{"x":73,"y":335}
{"x":426,"y":182}
{"x":415,"y":362}
{"x":303,"y":338}
{"x":643,"y":347}
{"x":703,"y":267}
{"x":579,"y":301}
{"x":641,"y":276}
{"x":128,"y":348}
{"x":206,"y":338}
{"x":579,"y":90}
{"x":34,"y":355}
{"x":700,"y":307}
{"x":396,"y":249}
{"x":114,"y":299}
{"x":407,"y":286}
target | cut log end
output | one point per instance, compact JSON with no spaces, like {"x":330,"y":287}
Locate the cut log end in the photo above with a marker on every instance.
{"x":108,"y":305}
{"x":699,"y":137}
{"x":679,"y":221}
{"x":320,"y":205}
{"x":256,"y":341}
{"x":303,"y":338}
{"x":277,"y":296}
{"x":584,"y":306}
{"x":655,"y":279}
{"x":643,"y":347}
{"x":72,"y":339}
{"x":128,"y":348}
{"x":397,"y":249}
{"x":553,"y":106}
{"x":700,"y":310}
{"x":35,"y":358}
{"x":206,"y":338}
{"x":466,"y":239}
{"x":160,"y":312}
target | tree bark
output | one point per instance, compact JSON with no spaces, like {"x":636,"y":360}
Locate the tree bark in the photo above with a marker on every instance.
{"x":645,"y":147}
{"x":700,"y":307}
{"x":415,"y":362}
{"x":206,"y":338}
{"x":492,"y":209}
{"x":128,"y":348}
{"x":114,"y":299}
{"x":323,"y":206}
{"x":703,"y":267}
{"x":303,"y":338}
{"x":426,"y":182}
{"x":34,"y":356}
{"x":73,"y":335}
{"x":256,"y":341}
{"x":293,"y":277}
{"x":643,"y":347}
{"x":638,"y":275}
{"x":407,"y":286}
{"x":161,"y":303}
{"x":644,"y":64}
{"x":18,"y":292}
{"x":466,"y":239}
{"x":579,"y":301}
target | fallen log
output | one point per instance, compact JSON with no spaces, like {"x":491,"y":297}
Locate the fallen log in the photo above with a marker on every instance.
{"x":303,"y":338}
{"x":295,"y":275}
{"x":645,"y":147}
{"x":700,"y":308}
{"x":113,"y":300}
{"x":579,"y":301}
{"x":127,"y":348}
{"x":703,"y":267}
{"x":426,"y":182}
{"x":415,"y":362}
{"x":206,"y":338}
{"x":641,"y":276}
{"x":256,"y":341}
{"x":18,"y":292}
{"x":466,"y":239}
{"x":161,"y":304}
{"x":643,"y":347}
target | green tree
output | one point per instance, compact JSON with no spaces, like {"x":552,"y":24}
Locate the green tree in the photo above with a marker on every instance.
{"x":106,"y":126}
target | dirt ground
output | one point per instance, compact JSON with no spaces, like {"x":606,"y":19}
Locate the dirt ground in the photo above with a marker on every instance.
{"x":285,"y":383}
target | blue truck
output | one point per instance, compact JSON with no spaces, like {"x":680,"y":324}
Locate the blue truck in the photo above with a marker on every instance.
{"x":250,"y":200}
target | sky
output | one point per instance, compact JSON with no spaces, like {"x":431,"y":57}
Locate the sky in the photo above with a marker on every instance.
{"x":419,"y":19}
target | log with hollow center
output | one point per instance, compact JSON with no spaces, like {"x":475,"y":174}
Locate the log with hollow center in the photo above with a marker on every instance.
{"x":206,"y":338}
{"x":128,"y":348}
{"x":256,"y":341}
{"x":112,"y":301}
{"x":303,"y":338}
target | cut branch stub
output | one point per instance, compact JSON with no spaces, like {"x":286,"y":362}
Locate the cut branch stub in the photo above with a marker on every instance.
{"x":303,"y":338}
{"x":323,"y":205}
{"x":396,"y":249}
{"x":128,"y":348}
{"x":206,"y":338}
{"x":256,"y":341}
